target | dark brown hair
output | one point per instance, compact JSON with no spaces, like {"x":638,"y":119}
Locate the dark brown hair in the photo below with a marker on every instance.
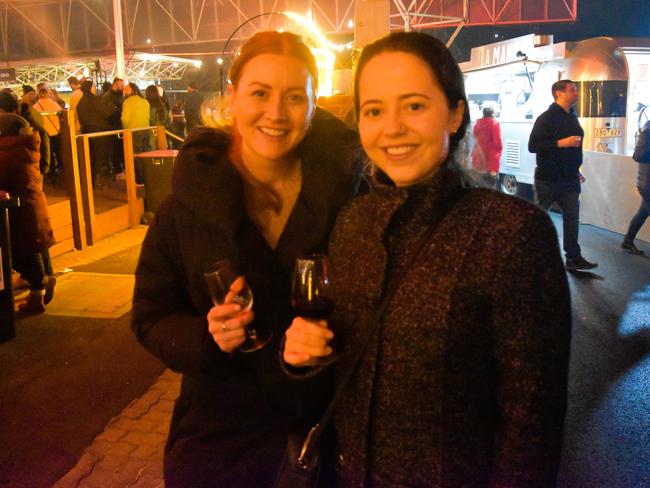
{"x":560,"y":86}
{"x":436,"y":56}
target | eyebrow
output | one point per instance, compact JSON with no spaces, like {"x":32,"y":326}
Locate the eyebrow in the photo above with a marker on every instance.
{"x":400,"y":98}
{"x":269,"y":87}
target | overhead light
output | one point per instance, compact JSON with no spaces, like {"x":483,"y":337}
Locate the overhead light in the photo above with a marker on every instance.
{"x":350,"y":24}
{"x":219,"y":60}
{"x":148,"y":40}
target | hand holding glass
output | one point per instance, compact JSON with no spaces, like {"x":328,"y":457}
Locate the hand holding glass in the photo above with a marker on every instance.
{"x":225,"y":287}
{"x":310,"y":293}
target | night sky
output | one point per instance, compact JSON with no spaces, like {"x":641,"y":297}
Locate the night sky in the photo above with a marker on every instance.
{"x":627,"y":18}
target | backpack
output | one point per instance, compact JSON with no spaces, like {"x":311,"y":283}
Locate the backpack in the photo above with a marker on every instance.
{"x":642,"y":149}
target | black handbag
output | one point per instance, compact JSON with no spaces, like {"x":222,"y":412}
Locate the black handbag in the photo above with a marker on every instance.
{"x":301,"y":466}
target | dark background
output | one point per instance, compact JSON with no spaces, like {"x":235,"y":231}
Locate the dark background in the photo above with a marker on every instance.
{"x":623,"y":18}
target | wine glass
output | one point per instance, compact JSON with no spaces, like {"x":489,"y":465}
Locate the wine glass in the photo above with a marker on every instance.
{"x":227,"y":286}
{"x":311,"y":294}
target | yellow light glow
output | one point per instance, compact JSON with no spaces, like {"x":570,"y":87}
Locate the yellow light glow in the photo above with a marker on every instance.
{"x":321,"y":48}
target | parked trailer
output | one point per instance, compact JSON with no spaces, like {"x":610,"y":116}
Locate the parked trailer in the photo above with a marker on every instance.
{"x":613,"y":77}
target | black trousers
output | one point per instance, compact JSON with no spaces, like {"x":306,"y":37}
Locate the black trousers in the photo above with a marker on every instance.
{"x":34,"y":268}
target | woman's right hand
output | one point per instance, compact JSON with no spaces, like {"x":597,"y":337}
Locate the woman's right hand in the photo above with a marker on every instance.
{"x":306,"y":341}
{"x":227,"y":324}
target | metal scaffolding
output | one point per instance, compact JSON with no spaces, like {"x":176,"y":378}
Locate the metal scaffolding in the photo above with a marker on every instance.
{"x":84,"y":29}
{"x":140,"y":66}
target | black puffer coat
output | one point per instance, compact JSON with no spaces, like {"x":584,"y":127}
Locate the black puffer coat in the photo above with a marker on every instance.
{"x":231,"y":421}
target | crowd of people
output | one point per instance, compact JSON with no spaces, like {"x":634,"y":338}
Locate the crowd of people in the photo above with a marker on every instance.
{"x":30,"y":154}
{"x":115,"y":107}
{"x":124,"y":106}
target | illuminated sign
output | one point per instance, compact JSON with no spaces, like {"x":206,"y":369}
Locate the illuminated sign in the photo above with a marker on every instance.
{"x":504,"y":52}
{"x":7,"y":75}
{"x":601,"y":132}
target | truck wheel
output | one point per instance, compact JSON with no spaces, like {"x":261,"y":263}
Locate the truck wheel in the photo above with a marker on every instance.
{"x":509,"y":185}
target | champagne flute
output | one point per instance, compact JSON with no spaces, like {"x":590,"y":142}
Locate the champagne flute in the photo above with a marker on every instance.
{"x":226,"y":286}
{"x":311,"y":294}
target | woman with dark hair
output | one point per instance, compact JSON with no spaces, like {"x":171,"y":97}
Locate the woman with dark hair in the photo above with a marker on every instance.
{"x":462,"y":379}
{"x":258,"y":193}
{"x":159,"y":112}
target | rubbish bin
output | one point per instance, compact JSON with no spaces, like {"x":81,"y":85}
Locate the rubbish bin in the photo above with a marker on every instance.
{"x":157,"y":171}
{"x":7,"y":316}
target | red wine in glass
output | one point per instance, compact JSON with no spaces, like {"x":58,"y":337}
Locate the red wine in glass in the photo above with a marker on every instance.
{"x":318,"y":308}
{"x":310,"y":292}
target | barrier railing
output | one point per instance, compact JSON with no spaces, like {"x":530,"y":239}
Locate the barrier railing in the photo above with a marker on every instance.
{"x":85,"y":174}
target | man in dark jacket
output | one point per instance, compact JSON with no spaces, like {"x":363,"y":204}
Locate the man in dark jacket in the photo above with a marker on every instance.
{"x":36,"y":120}
{"x":557,"y":139}
{"x":93,"y":114}
{"x":115,"y":97}
{"x":193,"y":103}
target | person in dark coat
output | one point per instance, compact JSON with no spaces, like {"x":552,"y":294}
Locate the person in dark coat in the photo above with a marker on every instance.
{"x":193,"y":102}
{"x":36,"y":120}
{"x":93,"y":113}
{"x":114,"y":96}
{"x":464,"y":381}
{"x":556,"y":139}
{"x":642,"y":156}
{"x":31,"y":229}
{"x":259,"y":195}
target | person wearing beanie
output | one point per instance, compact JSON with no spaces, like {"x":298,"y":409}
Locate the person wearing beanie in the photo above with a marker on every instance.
{"x":29,"y":94}
{"x":31,"y":229}
{"x":8,"y":103}
{"x":36,"y":120}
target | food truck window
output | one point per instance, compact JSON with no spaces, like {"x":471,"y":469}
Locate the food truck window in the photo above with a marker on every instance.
{"x":602,"y":98}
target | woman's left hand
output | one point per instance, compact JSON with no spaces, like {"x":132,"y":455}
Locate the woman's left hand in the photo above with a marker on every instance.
{"x":306,"y":341}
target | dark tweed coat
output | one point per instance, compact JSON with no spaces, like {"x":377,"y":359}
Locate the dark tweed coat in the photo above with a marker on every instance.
{"x":20,"y":175}
{"x":231,"y":421}
{"x":465,"y":382}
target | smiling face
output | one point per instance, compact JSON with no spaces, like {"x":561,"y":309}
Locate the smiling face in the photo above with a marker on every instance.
{"x":272,"y":105}
{"x":404,"y":117}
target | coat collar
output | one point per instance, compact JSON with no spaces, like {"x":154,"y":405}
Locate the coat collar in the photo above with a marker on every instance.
{"x":208,"y":184}
{"x":428,"y":195}
{"x":429,"y":200}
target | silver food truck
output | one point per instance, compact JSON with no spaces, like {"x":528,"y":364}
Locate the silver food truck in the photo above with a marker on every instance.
{"x":514,"y":77}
